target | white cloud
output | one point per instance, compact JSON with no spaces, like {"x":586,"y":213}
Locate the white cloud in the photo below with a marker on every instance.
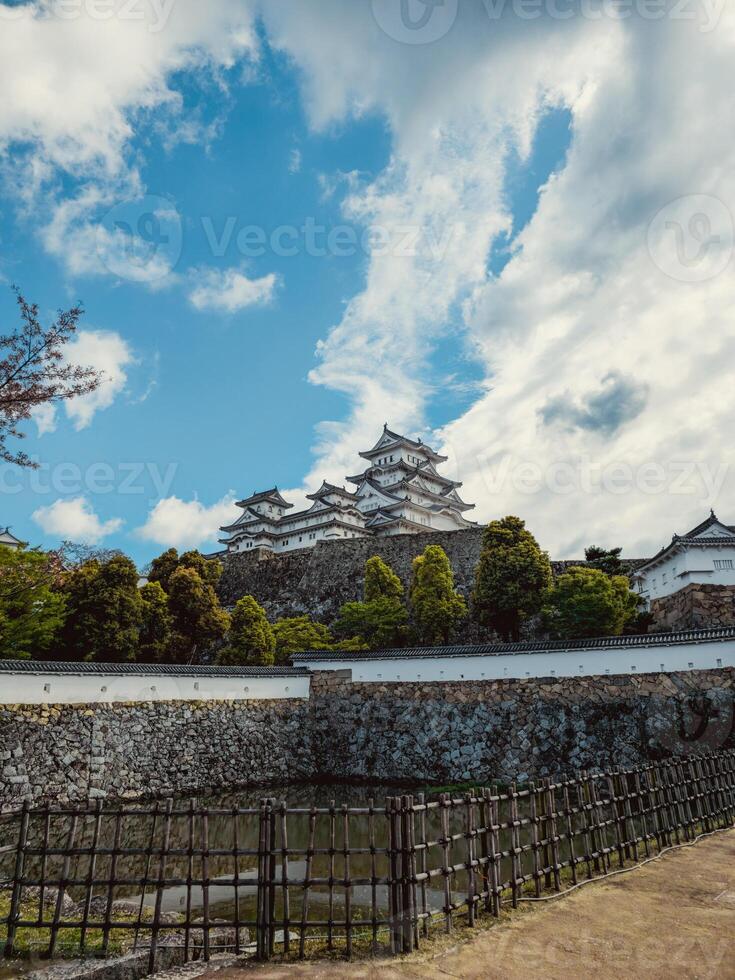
{"x":75,"y":520}
{"x":72,"y":83}
{"x":45,"y":418}
{"x":176,"y":523}
{"x":229,"y":290}
{"x":106,"y":351}
{"x":75,"y":84}
{"x":582,"y":299}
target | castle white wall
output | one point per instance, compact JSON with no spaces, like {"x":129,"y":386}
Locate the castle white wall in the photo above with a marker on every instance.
{"x":556,"y":663}
{"x":52,"y":688}
{"x":700,"y":565}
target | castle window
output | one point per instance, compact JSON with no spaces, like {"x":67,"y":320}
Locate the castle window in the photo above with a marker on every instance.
{"x":721,"y":564}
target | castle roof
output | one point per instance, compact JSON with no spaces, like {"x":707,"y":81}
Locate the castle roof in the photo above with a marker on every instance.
{"x":10,"y":540}
{"x":272,"y":496}
{"x":327,"y":488}
{"x":393,"y":440}
{"x":710,"y":532}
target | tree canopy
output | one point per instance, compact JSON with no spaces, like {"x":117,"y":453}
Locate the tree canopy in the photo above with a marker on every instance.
{"x":104,"y":611}
{"x":156,"y":625}
{"x":436,"y":607}
{"x":251,"y":641}
{"x":198,"y":620}
{"x":32,"y":611}
{"x":380,"y":621}
{"x":512,"y":577}
{"x":585,"y":602}
{"x":381,"y":582}
{"x":605,"y":560}
{"x":296,"y":633}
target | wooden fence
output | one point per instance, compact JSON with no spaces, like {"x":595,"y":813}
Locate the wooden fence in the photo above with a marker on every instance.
{"x":93,"y":880}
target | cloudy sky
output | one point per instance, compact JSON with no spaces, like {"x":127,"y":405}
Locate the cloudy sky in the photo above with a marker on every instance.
{"x":502,"y":225}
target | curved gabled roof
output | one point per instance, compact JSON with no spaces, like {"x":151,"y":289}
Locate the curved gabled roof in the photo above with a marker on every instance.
{"x":269,"y":496}
{"x":390,"y":440}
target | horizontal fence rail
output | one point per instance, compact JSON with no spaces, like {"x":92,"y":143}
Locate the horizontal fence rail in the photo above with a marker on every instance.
{"x":104,"y":879}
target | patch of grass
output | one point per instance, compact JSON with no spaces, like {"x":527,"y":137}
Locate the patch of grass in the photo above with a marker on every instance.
{"x":34,"y":940}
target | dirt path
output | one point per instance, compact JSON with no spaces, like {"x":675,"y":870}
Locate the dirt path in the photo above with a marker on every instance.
{"x":674,"y":918}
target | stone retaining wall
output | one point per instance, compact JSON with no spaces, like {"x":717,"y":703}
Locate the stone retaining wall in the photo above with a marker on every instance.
{"x":319,"y":580}
{"x":447,"y":732}
{"x":405,"y":732}
{"x":695,"y":607}
{"x":71,"y":752}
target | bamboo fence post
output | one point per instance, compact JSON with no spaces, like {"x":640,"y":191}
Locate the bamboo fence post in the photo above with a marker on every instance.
{"x":307,"y":881}
{"x":16,"y":897}
{"x":160,"y":887}
{"x":65,"y":873}
{"x":348,"y":883}
{"x":373,"y":872}
{"x":89,"y":891}
{"x":284,"y":879}
{"x":446,"y":852}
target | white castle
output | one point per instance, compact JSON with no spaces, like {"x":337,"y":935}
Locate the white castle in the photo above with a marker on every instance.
{"x":400,"y":492}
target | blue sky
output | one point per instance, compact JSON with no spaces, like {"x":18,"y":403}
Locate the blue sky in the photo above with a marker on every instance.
{"x":522,"y":313}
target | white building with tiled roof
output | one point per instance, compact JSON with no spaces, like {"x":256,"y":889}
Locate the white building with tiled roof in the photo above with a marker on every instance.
{"x":703,"y":556}
{"x":400,"y":492}
{"x":8,"y":540}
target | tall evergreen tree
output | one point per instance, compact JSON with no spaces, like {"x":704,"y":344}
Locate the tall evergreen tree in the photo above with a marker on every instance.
{"x":104,"y":611}
{"x":381,"y":582}
{"x":156,"y":625}
{"x":436,"y":608}
{"x":379,"y":621}
{"x":605,"y":560}
{"x":511,"y":579}
{"x":198,"y":618}
{"x":252,"y":642}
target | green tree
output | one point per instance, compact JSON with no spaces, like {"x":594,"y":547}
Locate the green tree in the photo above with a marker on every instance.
{"x":380,"y":621}
{"x":378,"y":624}
{"x":156,"y":625}
{"x":163,"y":567}
{"x":31,"y":609}
{"x":512,"y":577}
{"x":436,"y":608}
{"x":105,"y":611}
{"x":252,"y":642}
{"x":297,"y":633}
{"x":198,"y":618}
{"x":605,"y":560}
{"x":381,"y":582}
{"x":585,"y":602}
